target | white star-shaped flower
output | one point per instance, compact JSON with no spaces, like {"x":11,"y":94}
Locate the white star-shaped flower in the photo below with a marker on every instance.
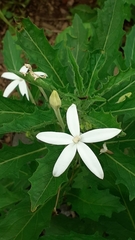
{"x":76,"y":142}
{"x":17,"y":81}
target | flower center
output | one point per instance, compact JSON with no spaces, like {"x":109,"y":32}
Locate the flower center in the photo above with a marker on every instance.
{"x":76,"y":139}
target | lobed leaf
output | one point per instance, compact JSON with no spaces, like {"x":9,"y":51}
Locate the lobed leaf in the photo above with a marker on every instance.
{"x":43,"y":184}
{"x":93,"y":203}
{"x":17,"y":116}
{"x":123,"y":168}
{"x":22,"y":224}
{"x":105,"y":40}
{"x":13,"y":158}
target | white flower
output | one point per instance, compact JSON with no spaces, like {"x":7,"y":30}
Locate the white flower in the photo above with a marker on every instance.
{"x":17,"y":81}
{"x":76,"y":142}
{"x":105,"y":149}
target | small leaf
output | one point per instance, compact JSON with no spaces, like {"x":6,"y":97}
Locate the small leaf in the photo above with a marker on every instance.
{"x":84,"y":11}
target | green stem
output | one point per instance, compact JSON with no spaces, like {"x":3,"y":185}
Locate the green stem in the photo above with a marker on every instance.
{"x":43,"y":93}
{"x":60,"y":120}
{"x":57,"y":199}
{"x":5,"y":20}
{"x":31,"y":97}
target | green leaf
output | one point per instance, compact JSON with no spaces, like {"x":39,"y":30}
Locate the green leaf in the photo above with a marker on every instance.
{"x":105,"y":28}
{"x":33,"y":41}
{"x":125,"y":108}
{"x":123,"y":78}
{"x":7,"y":197}
{"x":74,"y":236}
{"x":129,"y":49}
{"x":78,"y":80}
{"x":21,"y":223}
{"x":129,"y":2}
{"x":77,"y":41}
{"x":102,"y":119}
{"x":84,"y":11}
{"x":13,"y":158}
{"x":11,"y":54}
{"x":43,"y":184}
{"x":122,"y":166}
{"x":17,"y":116}
{"x":93,"y":203}
{"x":119,"y":227}
{"x":106,"y":39}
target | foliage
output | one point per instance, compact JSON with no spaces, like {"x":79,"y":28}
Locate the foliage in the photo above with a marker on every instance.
{"x":92,"y":64}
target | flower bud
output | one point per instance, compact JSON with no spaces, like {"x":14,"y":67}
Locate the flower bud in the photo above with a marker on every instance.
{"x":54,"y":100}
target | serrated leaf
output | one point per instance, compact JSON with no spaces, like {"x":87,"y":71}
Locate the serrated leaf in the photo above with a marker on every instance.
{"x":106,"y":39}
{"x":21,"y":223}
{"x":33,"y":41}
{"x":78,"y":80}
{"x":7,"y":197}
{"x":123,"y":168}
{"x":125,"y":108}
{"x":129,"y":49}
{"x":77,"y":40}
{"x":106,"y":31}
{"x":17,"y":116}
{"x":13,"y":158}
{"x":114,"y":82}
{"x":102,"y":119}
{"x":93,"y":203}
{"x":11,"y":54}
{"x":43,"y":184}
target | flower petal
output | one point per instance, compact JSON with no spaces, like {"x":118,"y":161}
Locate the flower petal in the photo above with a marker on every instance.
{"x":24,"y":69}
{"x":23,"y":88}
{"x":73,"y":120}
{"x":10,"y":76}
{"x":41,"y":74}
{"x":99,"y":135}
{"x":10,"y":88}
{"x":90,"y":159}
{"x":56,"y":138}
{"x":64,"y":160}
